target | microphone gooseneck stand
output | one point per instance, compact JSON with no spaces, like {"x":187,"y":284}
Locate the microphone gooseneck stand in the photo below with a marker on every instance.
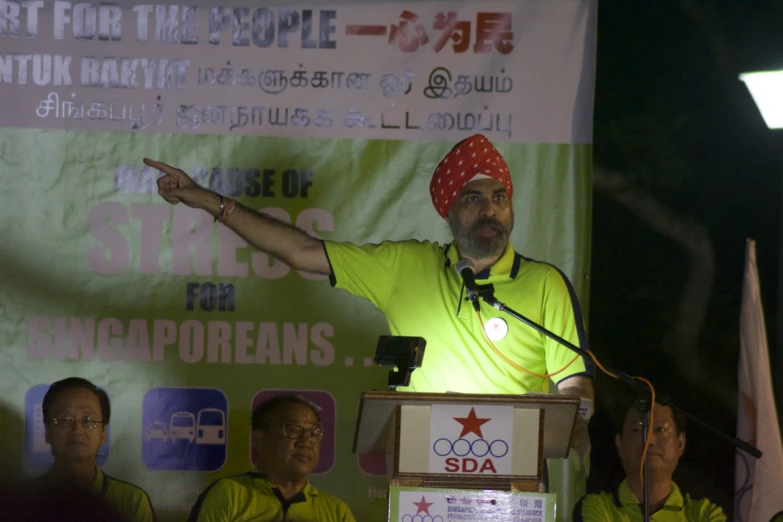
{"x":486,"y":292}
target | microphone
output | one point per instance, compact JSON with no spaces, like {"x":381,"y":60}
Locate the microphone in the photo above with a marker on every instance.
{"x":466,"y":270}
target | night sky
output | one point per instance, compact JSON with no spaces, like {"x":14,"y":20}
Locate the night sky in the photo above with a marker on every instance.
{"x":671,"y":112}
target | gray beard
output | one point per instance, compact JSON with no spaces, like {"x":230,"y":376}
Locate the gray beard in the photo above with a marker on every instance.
{"x":475,"y":246}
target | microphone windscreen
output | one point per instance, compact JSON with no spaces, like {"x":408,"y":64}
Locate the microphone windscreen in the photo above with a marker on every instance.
{"x":463,"y":264}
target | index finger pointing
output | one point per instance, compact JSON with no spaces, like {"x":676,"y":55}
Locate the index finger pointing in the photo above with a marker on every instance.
{"x":163,"y":167}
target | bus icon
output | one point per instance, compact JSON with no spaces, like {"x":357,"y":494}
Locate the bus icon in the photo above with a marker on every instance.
{"x":183,"y":426}
{"x":211,"y":426}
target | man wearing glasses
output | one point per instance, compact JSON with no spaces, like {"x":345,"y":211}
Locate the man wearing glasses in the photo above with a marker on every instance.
{"x":286,"y":437}
{"x":76,"y":413}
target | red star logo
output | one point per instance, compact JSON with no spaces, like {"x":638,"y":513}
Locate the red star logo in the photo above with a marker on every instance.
{"x":471,"y":424}
{"x":423,"y":505}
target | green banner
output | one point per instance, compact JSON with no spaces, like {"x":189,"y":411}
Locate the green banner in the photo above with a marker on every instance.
{"x":334,"y":124}
{"x":107,"y":281}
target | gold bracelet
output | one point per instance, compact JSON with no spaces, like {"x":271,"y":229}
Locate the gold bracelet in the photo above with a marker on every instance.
{"x":230,"y":207}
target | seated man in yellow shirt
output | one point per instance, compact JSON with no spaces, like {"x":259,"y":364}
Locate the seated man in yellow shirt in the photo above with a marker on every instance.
{"x":667,"y":503}
{"x":76,"y":413}
{"x":286,"y":438}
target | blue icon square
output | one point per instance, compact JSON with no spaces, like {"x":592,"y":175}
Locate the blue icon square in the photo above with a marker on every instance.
{"x":37,"y":451}
{"x":184,"y":429}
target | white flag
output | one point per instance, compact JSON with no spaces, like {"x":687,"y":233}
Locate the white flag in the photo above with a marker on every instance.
{"x":758,"y":483}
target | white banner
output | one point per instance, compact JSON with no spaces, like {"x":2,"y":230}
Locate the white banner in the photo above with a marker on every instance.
{"x":441,"y":505}
{"x":428,"y":70}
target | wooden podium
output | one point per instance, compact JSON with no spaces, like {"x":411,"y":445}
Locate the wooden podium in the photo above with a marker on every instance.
{"x":397,"y":424}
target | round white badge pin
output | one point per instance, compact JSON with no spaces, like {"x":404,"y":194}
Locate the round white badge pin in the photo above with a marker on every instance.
{"x":496,"y":329}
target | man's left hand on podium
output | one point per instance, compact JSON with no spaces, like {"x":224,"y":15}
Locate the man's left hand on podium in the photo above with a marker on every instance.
{"x":579,"y":386}
{"x":580,"y":438}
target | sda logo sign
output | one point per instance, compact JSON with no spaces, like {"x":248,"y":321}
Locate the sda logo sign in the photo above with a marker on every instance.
{"x":466,"y":452}
{"x":470,"y":440}
{"x":422,"y":513}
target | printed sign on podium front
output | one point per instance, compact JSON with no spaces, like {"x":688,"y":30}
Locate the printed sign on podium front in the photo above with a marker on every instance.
{"x":407,"y":504}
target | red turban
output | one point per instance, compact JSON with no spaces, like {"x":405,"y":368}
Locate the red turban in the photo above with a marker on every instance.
{"x":469,"y":158}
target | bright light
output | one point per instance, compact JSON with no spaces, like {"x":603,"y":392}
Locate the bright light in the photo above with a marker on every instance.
{"x":766,"y":87}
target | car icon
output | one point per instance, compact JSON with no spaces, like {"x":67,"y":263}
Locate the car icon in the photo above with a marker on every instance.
{"x":182,"y":426}
{"x":157,"y":430}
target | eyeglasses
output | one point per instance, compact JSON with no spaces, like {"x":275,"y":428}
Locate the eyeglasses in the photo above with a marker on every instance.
{"x":293,"y":431}
{"x":66,"y":421}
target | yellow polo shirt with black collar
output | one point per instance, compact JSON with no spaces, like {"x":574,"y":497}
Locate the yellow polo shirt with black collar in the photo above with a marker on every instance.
{"x":415,"y":285}
{"x":130,"y":502}
{"x":621,"y":505}
{"x":251,"y":497}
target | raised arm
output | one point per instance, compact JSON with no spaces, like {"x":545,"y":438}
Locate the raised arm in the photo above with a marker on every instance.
{"x":296,"y":248}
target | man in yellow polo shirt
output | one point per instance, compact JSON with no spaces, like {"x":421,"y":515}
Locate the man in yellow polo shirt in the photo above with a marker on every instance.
{"x":667,"y":502}
{"x":417,"y":288}
{"x":76,"y":413}
{"x":286,"y":436}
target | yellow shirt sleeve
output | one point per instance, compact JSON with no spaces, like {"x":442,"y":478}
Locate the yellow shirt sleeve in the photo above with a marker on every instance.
{"x":366,"y":271}
{"x":595,"y":508}
{"x":559,"y":315}
{"x":214,"y":504}
{"x":705,"y":511}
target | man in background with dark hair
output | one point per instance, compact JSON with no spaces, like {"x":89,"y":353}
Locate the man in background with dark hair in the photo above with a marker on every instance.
{"x":286,"y":438}
{"x":76,"y":413}
{"x":667,"y":503}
